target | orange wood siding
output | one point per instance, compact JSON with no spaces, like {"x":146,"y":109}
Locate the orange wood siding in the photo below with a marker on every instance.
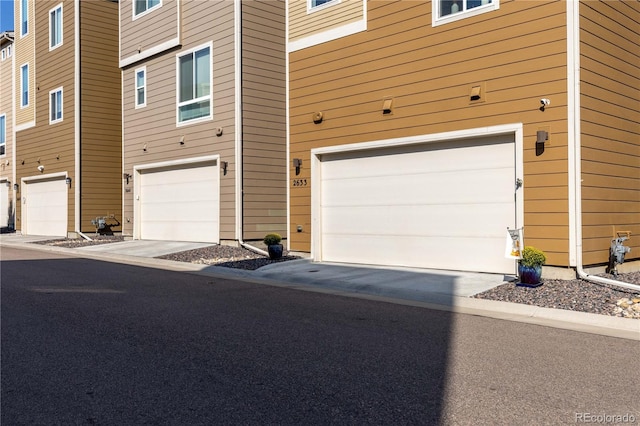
{"x":101,"y":129}
{"x":50,"y":145}
{"x":517,"y":52}
{"x":610,"y":124}
{"x":303,"y":24}
{"x":24,"y":52}
{"x":149,"y":30}
{"x":6,"y":109}
{"x":155,"y":124}
{"x":264,"y":118}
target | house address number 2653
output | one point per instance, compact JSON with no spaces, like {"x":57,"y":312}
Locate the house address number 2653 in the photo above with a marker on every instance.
{"x":299,"y":182}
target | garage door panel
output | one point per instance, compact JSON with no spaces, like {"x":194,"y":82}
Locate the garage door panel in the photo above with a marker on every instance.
{"x":45,"y":205}
{"x":4,"y":204}
{"x":180,"y":203}
{"x":453,"y":202}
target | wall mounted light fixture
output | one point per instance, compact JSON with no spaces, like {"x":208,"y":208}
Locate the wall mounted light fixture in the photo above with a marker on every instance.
{"x":16,"y":187}
{"x":8,"y":184}
{"x":297,"y":163}
{"x":224,"y":165}
{"x":126,"y":176}
{"x":68,"y":181}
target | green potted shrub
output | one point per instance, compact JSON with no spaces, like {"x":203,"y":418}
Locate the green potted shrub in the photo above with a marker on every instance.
{"x":530,"y":266}
{"x":272,"y":241}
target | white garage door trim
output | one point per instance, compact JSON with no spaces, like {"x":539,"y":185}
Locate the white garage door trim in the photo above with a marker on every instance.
{"x":514,"y":130}
{"x":59,"y":217}
{"x":139,"y":170}
{"x":5,"y":202}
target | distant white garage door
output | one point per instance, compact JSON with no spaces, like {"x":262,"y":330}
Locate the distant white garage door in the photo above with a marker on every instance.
{"x":44,"y":205}
{"x":180,"y":203}
{"x":442,"y":206}
{"x":4,"y":204}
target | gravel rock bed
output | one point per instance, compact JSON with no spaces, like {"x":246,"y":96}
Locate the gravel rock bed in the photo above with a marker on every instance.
{"x":227,"y":256}
{"x":574,"y":295}
{"x":81,"y":242}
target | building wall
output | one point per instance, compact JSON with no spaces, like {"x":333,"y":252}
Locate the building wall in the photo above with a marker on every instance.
{"x":610,"y":124}
{"x":264,"y":118}
{"x":50,"y":145}
{"x":517,"y":54}
{"x":24,"y":51}
{"x":101,"y":129}
{"x":305,"y":24}
{"x":154,"y":127}
{"x":6,"y":109}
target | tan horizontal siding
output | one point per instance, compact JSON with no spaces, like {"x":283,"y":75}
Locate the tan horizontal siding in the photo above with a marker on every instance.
{"x":148,"y":31}
{"x":303,"y":24}
{"x":518,"y":54}
{"x":24,"y":52}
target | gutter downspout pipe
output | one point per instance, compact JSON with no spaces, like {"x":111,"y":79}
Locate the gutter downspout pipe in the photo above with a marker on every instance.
{"x":573,"y":62}
{"x":237,"y":6}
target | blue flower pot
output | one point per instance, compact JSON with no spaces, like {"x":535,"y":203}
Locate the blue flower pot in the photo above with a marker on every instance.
{"x":275,"y":251}
{"x":529,"y":276}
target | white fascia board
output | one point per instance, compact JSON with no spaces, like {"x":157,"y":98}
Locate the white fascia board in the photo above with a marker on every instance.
{"x":329,"y":35}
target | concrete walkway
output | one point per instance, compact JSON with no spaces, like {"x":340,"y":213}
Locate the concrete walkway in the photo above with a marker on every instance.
{"x":435,"y":289}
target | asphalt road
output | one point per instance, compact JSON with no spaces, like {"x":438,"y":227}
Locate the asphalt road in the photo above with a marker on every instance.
{"x":90,"y":342}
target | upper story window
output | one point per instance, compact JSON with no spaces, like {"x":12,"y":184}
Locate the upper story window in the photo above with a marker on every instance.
{"x":24,"y":86}
{"x":24,"y":18}
{"x":313,"y":5}
{"x":143,"y":6}
{"x":4,"y":54}
{"x":55,"y":105}
{"x":55,"y":27}
{"x":3,"y":134}
{"x":8,"y":51}
{"x":445,"y":11}
{"x":141,"y":87}
{"x":194,"y":84}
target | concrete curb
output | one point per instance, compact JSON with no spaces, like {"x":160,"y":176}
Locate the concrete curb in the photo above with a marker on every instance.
{"x":605,"y":325}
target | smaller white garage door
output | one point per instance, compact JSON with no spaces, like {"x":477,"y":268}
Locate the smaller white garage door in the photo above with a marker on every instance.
{"x":180,"y":203}
{"x":442,"y":205}
{"x":44,"y":205}
{"x":5,"y":207}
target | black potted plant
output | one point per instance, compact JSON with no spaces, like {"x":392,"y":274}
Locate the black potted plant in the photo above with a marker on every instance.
{"x":272,"y":241}
{"x":530,"y":267}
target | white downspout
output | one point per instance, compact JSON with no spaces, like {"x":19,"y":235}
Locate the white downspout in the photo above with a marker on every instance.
{"x":237,"y":14}
{"x":574,"y":129}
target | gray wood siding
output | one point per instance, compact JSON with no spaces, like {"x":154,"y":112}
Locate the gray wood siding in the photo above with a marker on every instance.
{"x":610,"y":124}
{"x":150,"y":30}
{"x":518,"y":52}
{"x":264,"y":118}
{"x":101,"y":128}
{"x":52,"y":144}
{"x":155,"y":124}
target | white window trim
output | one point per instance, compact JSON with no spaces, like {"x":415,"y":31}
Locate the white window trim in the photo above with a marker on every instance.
{"x":22,"y":86}
{"x":51,"y":11}
{"x":435,"y":12}
{"x":146,"y":12}
{"x":24,"y":13}
{"x":136,"y":87}
{"x":58,"y":120}
{"x":9,"y":51}
{"x":311,"y":8}
{"x":178,"y":103}
{"x":4,"y":116}
{"x":4,"y":54}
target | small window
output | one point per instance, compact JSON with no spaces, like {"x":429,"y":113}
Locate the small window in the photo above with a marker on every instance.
{"x":55,"y":27}
{"x":3,"y":134}
{"x":142,"y":6}
{"x":445,"y":11}
{"x":314,"y":5}
{"x":141,"y":87}
{"x":55,"y":105}
{"x":9,"y":51}
{"x":24,"y":85}
{"x":4,"y":54}
{"x":24,"y":21}
{"x":194,"y":85}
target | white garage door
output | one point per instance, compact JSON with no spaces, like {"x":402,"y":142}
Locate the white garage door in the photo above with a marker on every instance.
{"x":443,"y":206}
{"x":180,"y":204}
{"x":44,"y":204}
{"x":4,"y":204}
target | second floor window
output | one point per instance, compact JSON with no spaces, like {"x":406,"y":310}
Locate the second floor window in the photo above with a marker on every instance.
{"x":3,"y":134}
{"x":24,"y":21}
{"x":142,"y":6}
{"x":24,"y":85}
{"x":194,"y":85}
{"x":55,"y":27}
{"x":55,"y":105}
{"x":141,"y":87}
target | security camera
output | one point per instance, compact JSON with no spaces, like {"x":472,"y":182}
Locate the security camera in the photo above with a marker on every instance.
{"x":40,"y":168}
{"x":545,"y":102}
